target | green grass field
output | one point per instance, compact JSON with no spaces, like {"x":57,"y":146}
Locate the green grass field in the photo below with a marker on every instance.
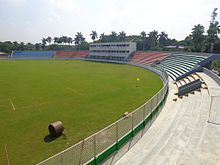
{"x":85,"y":96}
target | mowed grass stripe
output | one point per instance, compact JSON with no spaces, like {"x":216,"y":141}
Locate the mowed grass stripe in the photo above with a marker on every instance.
{"x":85,"y":96}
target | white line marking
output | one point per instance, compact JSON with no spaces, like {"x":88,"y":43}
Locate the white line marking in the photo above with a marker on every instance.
{"x":73,"y":90}
{"x":12,"y":104}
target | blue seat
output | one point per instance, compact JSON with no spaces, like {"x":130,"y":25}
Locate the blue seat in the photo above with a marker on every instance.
{"x":33,"y":54}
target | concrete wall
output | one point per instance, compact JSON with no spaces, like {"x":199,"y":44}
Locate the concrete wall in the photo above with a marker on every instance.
{"x":212,"y":75}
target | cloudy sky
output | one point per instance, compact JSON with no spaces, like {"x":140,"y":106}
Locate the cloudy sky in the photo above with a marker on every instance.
{"x":31,"y":20}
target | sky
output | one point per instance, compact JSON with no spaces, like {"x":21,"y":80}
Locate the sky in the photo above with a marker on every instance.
{"x":31,"y":20}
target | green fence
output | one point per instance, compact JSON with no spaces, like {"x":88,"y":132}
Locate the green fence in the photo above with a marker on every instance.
{"x":102,"y":144}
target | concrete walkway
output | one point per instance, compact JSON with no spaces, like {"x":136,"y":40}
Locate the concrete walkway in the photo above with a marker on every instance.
{"x":181,"y":134}
{"x":214,"y":92}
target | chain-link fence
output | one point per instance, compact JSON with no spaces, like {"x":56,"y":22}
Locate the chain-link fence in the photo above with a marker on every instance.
{"x":100,"y":145}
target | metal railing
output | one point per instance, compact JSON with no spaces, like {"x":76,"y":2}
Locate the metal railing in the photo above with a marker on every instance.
{"x":100,"y":145}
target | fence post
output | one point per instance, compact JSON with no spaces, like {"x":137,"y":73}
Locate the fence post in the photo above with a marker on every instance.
{"x":151,"y":112}
{"x":80,"y":159}
{"x":132,"y":120}
{"x":117,"y":147}
{"x":95,"y":148}
{"x":144,"y":115}
{"x":164,"y":89}
{"x":151,"y":104}
{"x":158,"y":98}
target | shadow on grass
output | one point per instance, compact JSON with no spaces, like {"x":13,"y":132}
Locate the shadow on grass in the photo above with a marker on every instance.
{"x":50,"y":138}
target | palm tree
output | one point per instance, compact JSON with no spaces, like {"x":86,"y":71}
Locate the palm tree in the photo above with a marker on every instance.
{"x":60,"y":40}
{"x":143,"y":34}
{"x":102,"y":37}
{"x":94,"y":35}
{"x":49,"y":39}
{"x":56,"y":40}
{"x":153,"y":38}
{"x":79,"y":39}
{"x":69,"y":40}
{"x":163,"y":38}
{"x":15,"y":45}
{"x":64,"y":39}
{"x":44,"y":42}
{"x":113,"y":36}
{"x":122,"y":36}
{"x":76,"y":40}
{"x":143,"y":38}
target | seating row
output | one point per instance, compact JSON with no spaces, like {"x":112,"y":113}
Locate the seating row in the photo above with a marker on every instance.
{"x":48,"y":54}
{"x":179,"y":64}
{"x":144,"y":58}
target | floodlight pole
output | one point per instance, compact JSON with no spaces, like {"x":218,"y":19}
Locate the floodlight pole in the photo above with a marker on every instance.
{"x":214,"y":14}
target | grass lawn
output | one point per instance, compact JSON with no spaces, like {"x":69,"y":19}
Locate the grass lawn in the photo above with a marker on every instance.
{"x":85,"y":96}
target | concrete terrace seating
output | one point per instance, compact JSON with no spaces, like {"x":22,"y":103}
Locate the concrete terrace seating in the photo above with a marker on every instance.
{"x":32,"y":54}
{"x":180,"y":134}
{"x":187,"y":80}
{"x":184,"y":81}
{"x":179,"y":64}
{"x":71,"y":54}
{"x":143,"y":58}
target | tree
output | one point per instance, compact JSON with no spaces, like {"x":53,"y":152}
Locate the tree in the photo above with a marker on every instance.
{"x":153,"y":39}
{"x":198,"y":37}
{"x":69,"y":40}
{"x":122,"y":36}
{"x":6,"y":47}
{"x":60,"y":40}
{"x":44,"y":42}
{"x":56,"y":40}
{"x":94,"y":35}
{"x":79,"y":39}
{"x":213,"y":31}
{"x":49,"y":40}
{"x":113,"y":36}
{"x":64,"y":39}
{"x":37,"y":46}
{"x":21,"y":46}
{"x":29,"y":46}
{"x":143,"y":36}
{"x":212,"y":37}
{"x":163,"y":39}
{"x":15,"y":45}
{"x":103,"y":37}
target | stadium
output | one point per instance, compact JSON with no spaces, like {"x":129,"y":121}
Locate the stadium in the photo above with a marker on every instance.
{"x":118,"y":106}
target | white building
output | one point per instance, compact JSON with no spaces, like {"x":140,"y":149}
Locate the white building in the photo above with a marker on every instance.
{"x":112,"y":51}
